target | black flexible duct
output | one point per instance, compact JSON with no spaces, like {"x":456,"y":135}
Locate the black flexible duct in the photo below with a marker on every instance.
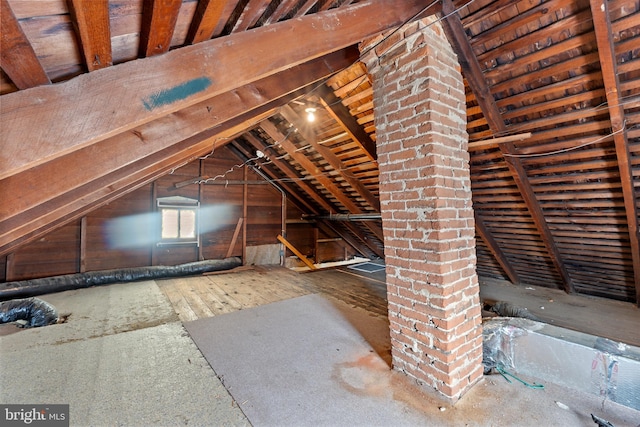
{"x":35,"y":311}
{"x":29,"y":288}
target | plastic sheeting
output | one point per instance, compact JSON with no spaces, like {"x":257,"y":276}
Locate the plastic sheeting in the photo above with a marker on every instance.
{"x":498,"y":343}
{"x":34,"y":310}
{"x":28,"y":288}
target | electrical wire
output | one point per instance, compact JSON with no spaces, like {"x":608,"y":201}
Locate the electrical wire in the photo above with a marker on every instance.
{"x":565,"y":150}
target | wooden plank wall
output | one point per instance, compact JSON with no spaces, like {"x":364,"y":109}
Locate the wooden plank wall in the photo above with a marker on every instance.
{"x":92,"y":243}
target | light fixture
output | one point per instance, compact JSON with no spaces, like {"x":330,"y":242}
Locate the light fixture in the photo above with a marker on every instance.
{"x":311,"y":116}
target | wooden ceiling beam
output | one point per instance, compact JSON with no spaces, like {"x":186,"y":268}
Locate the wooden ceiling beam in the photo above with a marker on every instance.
{"x":91,"y":22}
{"x":159,"y":18}
{"x":17,"y":57}
{"x":473,"y":73}
{"x":340,"y":114}
{"x":281,"y":10}
{"x":209,"y":19}
{"x":608,"y":65}
{"x":161,"y":85}
{"x":309,"y":166}
{"x":308,"y":134}
{"x":26,"y":201}
{"x":65,"y":175}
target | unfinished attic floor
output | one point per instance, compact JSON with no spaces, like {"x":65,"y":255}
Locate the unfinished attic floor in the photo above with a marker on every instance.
{"x":124,"y":358}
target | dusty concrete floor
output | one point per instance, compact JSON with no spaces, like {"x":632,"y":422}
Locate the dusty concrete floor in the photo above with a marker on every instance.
{"x":123,"y":358}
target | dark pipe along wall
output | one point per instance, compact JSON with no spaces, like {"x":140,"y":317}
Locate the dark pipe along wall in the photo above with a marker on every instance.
{"x":46,"y":285}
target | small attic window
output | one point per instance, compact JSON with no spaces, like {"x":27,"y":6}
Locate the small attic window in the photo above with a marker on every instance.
{"x":179,"y":220}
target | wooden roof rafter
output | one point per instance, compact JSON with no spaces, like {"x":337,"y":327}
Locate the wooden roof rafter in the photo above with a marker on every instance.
{"x":209,"y":19}
{"x":311,"y":169}
{"x":91,"y":19}
{"x":333,"y":105}
{"x":292,"y":117}
{"x":159,"y":18}
{"x":17,"y":57}
{"x":608,"y":65}
{"x":302,"y":204}
{"x":473,"y":73}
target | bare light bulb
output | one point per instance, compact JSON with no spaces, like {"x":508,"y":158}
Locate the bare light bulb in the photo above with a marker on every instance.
{"x":311,"y":117}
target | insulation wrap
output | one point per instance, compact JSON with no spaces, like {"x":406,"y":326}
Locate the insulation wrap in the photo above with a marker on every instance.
{"x":29,"y":288}
{"x":34,"y":310}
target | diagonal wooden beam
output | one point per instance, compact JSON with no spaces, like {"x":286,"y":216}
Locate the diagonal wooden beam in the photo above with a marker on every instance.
{"x":608,"y":66}
{"x":318,"y":175}
{"x":294,"y":195}
{"x":91,"y":19}
{"x":244,"y":154}
{"x":495,"y":250}
{"x":26,"y":202}
{"x":75,"y":204}
{"x":289,"y":172}
{"x":473,"y":73}
{"x":281,"y":10}
{"x":160,"y":85}
{"x":341,"y":114}
{"x":303,"y":128}
{"x":209,"y":19}
{"x":159,"y":18}
{"x":17,"y":57}
{"x":309,"y":167}
{"x":250,"y":15}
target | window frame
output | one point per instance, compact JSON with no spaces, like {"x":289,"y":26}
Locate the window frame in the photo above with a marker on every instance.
{"x":180,"y":204}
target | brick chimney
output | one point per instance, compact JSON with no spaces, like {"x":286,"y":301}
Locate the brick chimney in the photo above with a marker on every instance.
{"x":425,"y":192}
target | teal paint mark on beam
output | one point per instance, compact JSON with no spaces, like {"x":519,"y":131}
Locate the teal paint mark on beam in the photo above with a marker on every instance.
{"x":178,"y":93}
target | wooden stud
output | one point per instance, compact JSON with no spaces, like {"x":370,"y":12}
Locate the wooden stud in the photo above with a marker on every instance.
{"x":91,"y":19}
{"x":245,"y":210}
{"x":17,"y":57}
{"x":602,"y":27}
{"x":83,"y":244}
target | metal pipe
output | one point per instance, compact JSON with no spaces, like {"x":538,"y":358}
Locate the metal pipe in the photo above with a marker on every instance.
{"x":348,"y":217}
{"x":283,"y":231}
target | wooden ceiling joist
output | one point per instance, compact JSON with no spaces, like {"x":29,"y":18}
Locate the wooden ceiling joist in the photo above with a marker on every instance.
{"x":17,"y":57}
{"x":159,"y":18}
{"x":91,"y":19}
{"x":474,"y":75}
{"x":606,"y":50}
